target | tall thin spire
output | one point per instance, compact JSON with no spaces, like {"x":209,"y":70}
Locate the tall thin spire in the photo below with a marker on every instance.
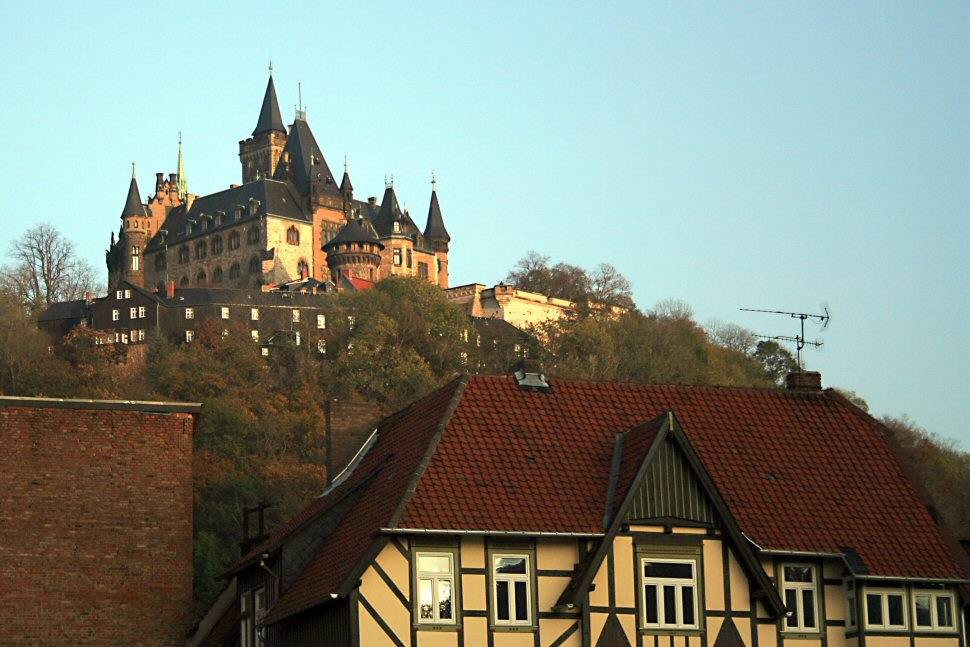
{"x":270,"y":118}
{"x":183,"y":185}
{"x":435,"y":230}
{"x":133,"y":204}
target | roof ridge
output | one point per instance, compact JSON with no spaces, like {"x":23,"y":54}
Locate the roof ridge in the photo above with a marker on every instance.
{"x":462,"y":382}
{"x":677,"y":385}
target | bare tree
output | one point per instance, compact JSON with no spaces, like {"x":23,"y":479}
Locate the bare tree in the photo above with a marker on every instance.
{"x":45,"y":268}
{"x":731,"y":336}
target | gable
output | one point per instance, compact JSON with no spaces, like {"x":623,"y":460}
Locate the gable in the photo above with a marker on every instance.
{"x":670,"y":490}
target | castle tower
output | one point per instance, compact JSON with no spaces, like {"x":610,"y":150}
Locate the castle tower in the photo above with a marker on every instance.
{"x":125,"y":258}
{"x":437,"y":236}
{"x":260,"y":153}
{"x":355,"y":252}
{"x":346,"y":189}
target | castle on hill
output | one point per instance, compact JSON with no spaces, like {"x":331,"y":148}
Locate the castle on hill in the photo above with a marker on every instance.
{"x":289,"y":220}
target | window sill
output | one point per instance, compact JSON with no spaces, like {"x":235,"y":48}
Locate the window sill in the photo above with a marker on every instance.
{"x":436,"y":628}
{"x":801,"y":635}
{"x":514,"y":628}
{"x":652,"y":631}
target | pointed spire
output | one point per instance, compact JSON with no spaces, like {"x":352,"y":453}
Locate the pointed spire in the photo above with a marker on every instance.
{"x":133,"y":205}
{"x":345,"y":185}
{"x":270,"y":118}
{"x":183,"y":185}
{"x":435,"y":229}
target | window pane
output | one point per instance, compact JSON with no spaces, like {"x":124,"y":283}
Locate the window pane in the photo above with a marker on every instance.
{"x":521,"y":601}
{"x":895,"y":610}
{"x":791,"y":604}
{"x":669,"y":569}
{"x":510,"y":565}
{"x":873,"y":609}
{"x":501,"y":600}
{"x":670,"y":605}
{"x":444,"y":599}
{"x":434,"y":564}
{"x":798,"y":573}
{"x":923,"y":618}
{"x":687,"y":604}
{"x":944,"y":611}
{"x":425,"y":600}
{"x":650,"y":602}
{"x":808,"y":609}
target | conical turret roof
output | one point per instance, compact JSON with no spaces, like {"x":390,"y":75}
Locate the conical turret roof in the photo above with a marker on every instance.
{"x":355,"y":231}
{"x":306,"y":160}
{"x":133,"y":205}
{"x":345,"y":184}
{"x":270,"y":118}
{"x":435,"y":229}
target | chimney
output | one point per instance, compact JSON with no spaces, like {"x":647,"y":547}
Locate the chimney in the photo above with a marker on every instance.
{"x":529,"y":376}
{"x":804,"y":381}
{"x":372,"y":200}
{"x":170,"y":289}
{"x":159,"y":180}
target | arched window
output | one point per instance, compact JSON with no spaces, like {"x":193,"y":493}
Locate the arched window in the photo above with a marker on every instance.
{"x":200,"y":249}
{"x":254,"y":265}
{"x":217,"y":245}
{"x":252,"y":236}
{"x":183,"y":254}
{"x":200,"y":278}
{"x":303,"y":268}
{"x":234,"y":271}
{"x":217,"y":275}
{"x":234,"y":240}
{"x":293,"y":236}
{"x":184,"y":282}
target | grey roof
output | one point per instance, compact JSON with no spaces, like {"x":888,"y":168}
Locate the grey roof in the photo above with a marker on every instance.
{"x":64,"y":310}
{"x":355,"y":231}
{"x":276,"y":199}
{"x":133,"y":205}
{"x":391,"y":212}
{"x":269,"y":114}
{"x":345,"y":184}
{"x":306,"y":160}
{"x":230,"y":297}
{"x":435,"y":229}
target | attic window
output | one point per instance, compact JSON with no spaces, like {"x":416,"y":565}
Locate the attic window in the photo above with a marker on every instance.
{"x":799,"y":590}
{"x":933,"y":610}
{"x":397,"y":227}
{"x":885,"y":609}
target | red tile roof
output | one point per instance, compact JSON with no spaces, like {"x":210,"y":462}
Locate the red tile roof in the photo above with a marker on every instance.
{"x":800,"y":471}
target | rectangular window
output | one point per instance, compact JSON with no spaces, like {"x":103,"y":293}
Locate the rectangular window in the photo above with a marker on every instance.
{"x":296,"y":316}
{"x":297,"y":338}
{"x":351,"y":320}
{"x":397,"y":257}
{"x":799,"y":591}
{"x":141,"y":312}
{"x":189,"y":313}
{"x":423,"y":270}
{"x":225,"y":312}
{"x":119,"y":295}
{"x":434,"y":578}
{"x":141,"y":335}
{"x":255,"y":335}
{"x":322,"y":346}
{"x":115,"y":314}
{"x":132,"y":313}
{"x":254,"y":314}
{"x":127,"y":294}
{"x":933,"y":610}
{"x":189,"y":335}
{"x":669,"y":588}
{"x":885,"y":609}
{"x":321,"y":322}
{"x":511,"y":589}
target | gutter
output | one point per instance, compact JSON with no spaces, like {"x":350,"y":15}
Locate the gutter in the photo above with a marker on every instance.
{"x":862,"y":577}
{"x":491,"y":533}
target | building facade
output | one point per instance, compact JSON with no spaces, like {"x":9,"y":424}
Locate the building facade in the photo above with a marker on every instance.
{"x":515,"y":510}
{"x":272,"y":228}
{"x":96,"y":522}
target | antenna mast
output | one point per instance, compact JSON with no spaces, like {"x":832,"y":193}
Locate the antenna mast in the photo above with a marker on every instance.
{"x":799,"y":340}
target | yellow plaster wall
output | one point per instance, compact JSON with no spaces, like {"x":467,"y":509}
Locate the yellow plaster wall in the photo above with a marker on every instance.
{"x":931,"y":642}
{"x":434,"y":639}
{"x":891,"y":641}
{"x":713,"y":574}
{"x":740,"y":597}
{"x":624,"y":572}
{"x":512,"y":639}
{"x":551,"y":629}
{"x":386,"y":604}
{"x":629,"y":624}
{"x":396,"y":566}
{"x":472,"y":552}
{"x":714,"y":626}
{"x":370,"y":632}
{"x":596,"y":623}
{"x":600,"y":595}
{"x":556,"y":554}
{"x":767,"y":635}
{"x":476,"y":631}
{"x":289,"y":255}
{"x":473,"y":592}
{"x":744,"y":628}
{"x":835,"y":636}
{"x":550,"y":588}
{"x":835,"y":603}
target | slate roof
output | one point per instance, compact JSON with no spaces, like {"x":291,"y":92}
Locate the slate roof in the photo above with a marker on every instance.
{"x":306,"y":160}
{"x":64,"y":310}
{"x":799,"y":471}
{"x":229,"y":296}
{"x":435,"y":229}
{"x":355,"y":231}
{"x":269,"y":114}
{"x":133,"y":205}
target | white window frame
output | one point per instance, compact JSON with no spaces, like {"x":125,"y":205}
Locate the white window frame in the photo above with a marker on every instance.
{"x":141,"y":312}
{"x":297,"y":337}
{"x":678,"y":584}
{"x":435,"y":578}
{"x":225,"y":312}
{"x":189,"y":336}
{"x":115,"y":314}
{"x":511,"y":579}
{"x":189,"y":313}
{"x":321,"y":322}
{"x":254,"y":314}
{"x":295,"y":316}
{"x":934,"y":595}
{"x":132,"y":313}
{"x":254,"y":334}
{"x":119,"y":294}
{"x":799,"y":588}
{"x":127,"y":294}
{"x":398,"y":257}
{"x":884,"y":594}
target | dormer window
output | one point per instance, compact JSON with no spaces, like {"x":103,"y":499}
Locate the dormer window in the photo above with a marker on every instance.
{"x":293,"y":236}
{"x":397,"y":227}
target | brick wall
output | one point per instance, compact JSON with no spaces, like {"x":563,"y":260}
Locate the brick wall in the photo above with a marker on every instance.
{"x":95,"y":526}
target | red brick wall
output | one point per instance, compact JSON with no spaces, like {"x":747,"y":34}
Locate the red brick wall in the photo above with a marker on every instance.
{"x":95,"y":527}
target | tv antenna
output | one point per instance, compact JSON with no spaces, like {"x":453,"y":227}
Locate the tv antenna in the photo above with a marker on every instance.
{"x":799,"y":339}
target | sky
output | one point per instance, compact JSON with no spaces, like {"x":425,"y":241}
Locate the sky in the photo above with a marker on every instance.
{"x":731,"y":155}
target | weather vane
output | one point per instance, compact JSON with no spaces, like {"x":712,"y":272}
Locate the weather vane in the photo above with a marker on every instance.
{"x":799,"y":339}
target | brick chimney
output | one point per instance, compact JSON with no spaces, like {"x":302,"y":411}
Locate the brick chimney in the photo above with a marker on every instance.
{"x":804,"y":381}
{"x":170,"y":289}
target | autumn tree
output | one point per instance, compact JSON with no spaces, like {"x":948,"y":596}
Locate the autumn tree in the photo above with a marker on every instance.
{"x":603,"y":287}
{"x":44,"y":268}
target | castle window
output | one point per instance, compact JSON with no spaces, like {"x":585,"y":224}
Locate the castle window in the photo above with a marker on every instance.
{"x":439,"y":266}
{"x":933,"y":610}
{"x":217,"y":245}
{"x":225,"y":312}
{"x":293,"y":236}
{"x":296,"y":316}
{"x":200,"y":278}
{"x":423,"y":270}
{"x":115,"y":314}
{"x":141,"y":312}
{"x":189,"y":313}
{"x":434,"y":582}
{"x":127,"y":294}
{"x":254,"y":314}
{"x":511,"y":589}
{"x":397,"y":257}
{"x":219,"y":217}
{"x":252,"y":236}
{"x":200,"y":249}
{"x":234,"y":271}
{"x":255,"y":335}
{"x":297,"y":338}
{"x":234,"y":240}
{"x":410,"y":260}
{"x":119,"y":294}
{"x":397,"y":227}
{"x":217,"y":275}
{"x":254,"y":265}
{"x":183,"y":254}
{"x":135,"y":259}
{"x":669,"y":593}
{"x":303,"y":268}
{"x":132,"y":313}
{"x":885,"y":609}
{"x":322,"y":346}
{"x":189,"y":335}
{"x":264,"y":351}
{"x":321,"y":321}
{"x":799,"y":591}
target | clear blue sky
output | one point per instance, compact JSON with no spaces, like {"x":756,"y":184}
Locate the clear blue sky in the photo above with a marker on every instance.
{"x":777,"y":155}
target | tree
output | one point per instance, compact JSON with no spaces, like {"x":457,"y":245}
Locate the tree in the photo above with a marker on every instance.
{"x":775,"y":360}
{"x":604,"y":287}
{"x":731,"y":336}
{"x":45,"y":269}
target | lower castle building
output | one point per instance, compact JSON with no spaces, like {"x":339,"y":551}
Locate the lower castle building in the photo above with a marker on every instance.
{"x":275,"y":226}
